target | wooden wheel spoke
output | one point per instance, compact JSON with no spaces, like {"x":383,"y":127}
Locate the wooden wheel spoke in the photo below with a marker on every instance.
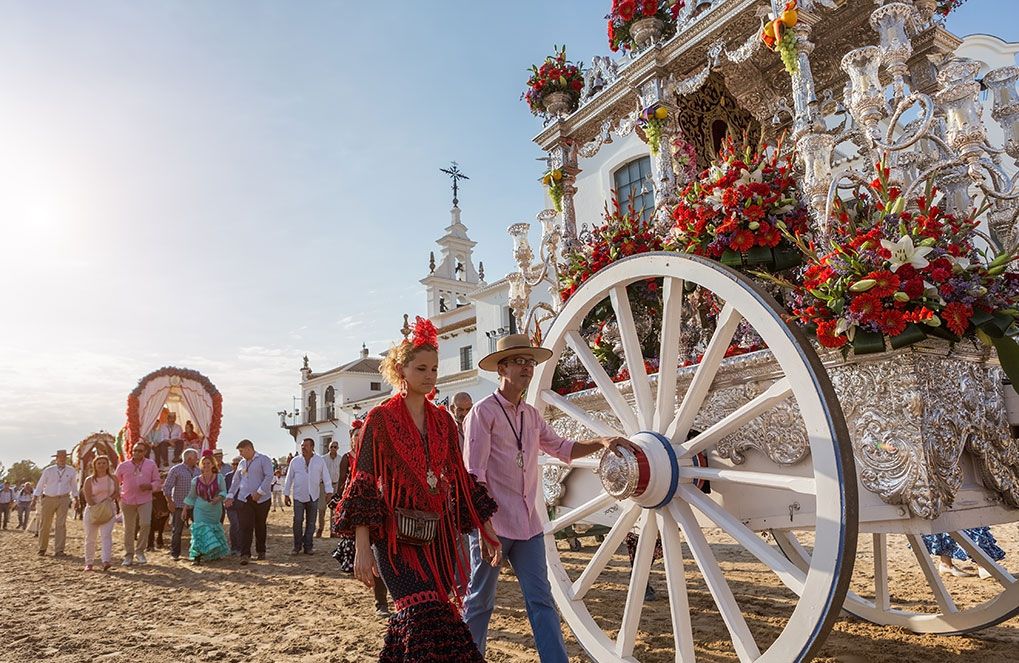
{"x":573,"y":516}
{"x":638,"y":581}
{"x":772,"y":396}
{"x":792,"y":576}
{"x":982,"y":559}
{"x":608,"y":388}
{"x":742,"y":639}
{"x":882,"y":597}
{"x":578,"y":414}
{"x":796,"y":484}
{"x":728,"y":320}
{"x":633,"y":355}
{"x":668,"y":352}
{"x":675,"y":576}
{"x":603,"y":555}
{"x":941,"y":594}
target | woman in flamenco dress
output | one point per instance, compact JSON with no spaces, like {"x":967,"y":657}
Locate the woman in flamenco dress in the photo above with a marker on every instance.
{"x":409,"y":477}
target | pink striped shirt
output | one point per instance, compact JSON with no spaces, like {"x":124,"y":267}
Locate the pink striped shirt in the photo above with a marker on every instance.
{"x":131,"y":476}
{"x":490,"y":454}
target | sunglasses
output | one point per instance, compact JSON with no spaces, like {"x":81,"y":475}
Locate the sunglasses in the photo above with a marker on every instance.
{"x":521,"y":361}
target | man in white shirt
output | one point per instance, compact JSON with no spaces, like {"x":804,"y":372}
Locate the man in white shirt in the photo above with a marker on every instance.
{"x":332,"y":461}
{"x":167,"y":435}
{"x":56,"y":486}
{"x":306,"y":474}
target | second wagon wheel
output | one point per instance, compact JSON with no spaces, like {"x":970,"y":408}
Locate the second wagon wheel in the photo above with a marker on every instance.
{"x":659,"y":497}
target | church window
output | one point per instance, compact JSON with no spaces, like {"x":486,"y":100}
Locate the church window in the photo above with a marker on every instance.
{"x":326,"y":439}
{"x":466,"y":358}
{"x":329,"y":402}
{"x":635,"y":186}
{"x":311,"y":411}
{"x":375,"y":386}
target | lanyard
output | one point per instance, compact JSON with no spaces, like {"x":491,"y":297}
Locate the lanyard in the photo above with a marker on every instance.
{"x":519,"y":435}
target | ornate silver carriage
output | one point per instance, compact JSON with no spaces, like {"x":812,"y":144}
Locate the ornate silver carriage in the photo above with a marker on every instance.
{"x":804,"y":450}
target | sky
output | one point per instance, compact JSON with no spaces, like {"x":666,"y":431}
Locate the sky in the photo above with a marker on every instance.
{"x":227,"y":186}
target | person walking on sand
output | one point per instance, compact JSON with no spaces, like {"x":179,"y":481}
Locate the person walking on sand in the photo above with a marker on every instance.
{"x":252,"y":495}
{"x":306,"y":476}
{"x":23,"y":500}
{"x":205,"y":501}
{"x":503,"y":436}
{"x":137,"y":478}
{"x":56,"y":486}
{"x":332,"y":460}
{"x":277,"y":490}
{"x":231,"y":511}
{"x":6,"y":502}
{"x":101,"y":491}
{"x":176,"y":488}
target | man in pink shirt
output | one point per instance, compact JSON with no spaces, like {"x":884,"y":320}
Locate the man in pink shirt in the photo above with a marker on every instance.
{"x":503,"y":437}
{"x":137,"y":478}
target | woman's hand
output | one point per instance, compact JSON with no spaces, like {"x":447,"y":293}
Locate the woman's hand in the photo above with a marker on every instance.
{"x":491,"y":552}
{"x":364,"y":564}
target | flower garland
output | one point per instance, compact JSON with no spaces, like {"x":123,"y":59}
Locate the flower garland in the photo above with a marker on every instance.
{"x":777,"y":34}
{"x":556,"y":74}
{"x":625,"y":13}
{"x":684,"y":157}
{"x":553,"y":185}
{"x":946,"y":7}
{"x":900,"y":271}
{"x":739,"y":209}
{"x":134,"y":432}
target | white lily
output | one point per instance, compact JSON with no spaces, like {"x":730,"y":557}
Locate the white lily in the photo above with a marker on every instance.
{"x":746,"y":177}
{"x":904,"y":253}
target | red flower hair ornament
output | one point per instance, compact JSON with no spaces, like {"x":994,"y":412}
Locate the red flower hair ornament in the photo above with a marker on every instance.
{"x":356,"y":424}
{"x":424,"y":333}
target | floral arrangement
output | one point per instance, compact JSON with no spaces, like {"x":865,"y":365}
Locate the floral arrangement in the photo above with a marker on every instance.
{"x":744,"y":210}
{"x":900,"y":271}
{"x":553,"y":185}
{"x":946,"y":7}
{"x":777,"y":34}
{"x":650,"y":125}
{"x":684,"y":158}
{"x":556,"y":74}
{"x":623,"y":234}
{"x":625,"y":13}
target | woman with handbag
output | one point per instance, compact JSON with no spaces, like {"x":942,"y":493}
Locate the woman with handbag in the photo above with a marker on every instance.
{"x":101,"y":491}
{"x":408,"y":501}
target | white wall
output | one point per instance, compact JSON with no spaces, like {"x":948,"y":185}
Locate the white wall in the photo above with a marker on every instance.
{"x":594,"y":184}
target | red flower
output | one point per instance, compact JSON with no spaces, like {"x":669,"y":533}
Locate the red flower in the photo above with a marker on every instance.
{"x":626,"y":9}
{"x":913,"y":287}
{"x":893,"y":322}
{"x":743,"y":240}
{"x":866,"y":306}
{"x":827,"y":337}
{"x":754,"y":213}
{"x":956,"y":316}
{"x":887,"y":283}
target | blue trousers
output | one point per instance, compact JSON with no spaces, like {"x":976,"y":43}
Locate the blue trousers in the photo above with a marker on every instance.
{"x":305,"y":514}
{"x":527,"y":557}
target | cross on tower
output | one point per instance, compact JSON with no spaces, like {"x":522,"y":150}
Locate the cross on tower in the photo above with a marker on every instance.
{"x":454,"y":172}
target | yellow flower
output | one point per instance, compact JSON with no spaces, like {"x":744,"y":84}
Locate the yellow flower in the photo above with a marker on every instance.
{"x":557,"y":174}
{"x":661,"y":113}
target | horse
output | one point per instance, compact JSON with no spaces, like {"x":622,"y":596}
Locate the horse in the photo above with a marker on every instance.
{"x":160,"y":516}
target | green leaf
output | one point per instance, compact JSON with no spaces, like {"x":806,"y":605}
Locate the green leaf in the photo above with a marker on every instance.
{"x":1008,"y":355}
{"x":785,"y":258}
{"x":731,"y":259}
{"x":865,"y":342}
{"x":912,"y":334}
{"x":759,"y":255}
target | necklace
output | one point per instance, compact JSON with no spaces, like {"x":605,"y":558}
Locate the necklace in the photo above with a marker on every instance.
{"x":518,"y":434}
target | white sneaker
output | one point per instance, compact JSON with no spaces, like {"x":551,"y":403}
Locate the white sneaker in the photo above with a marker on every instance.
{"x":140,"y":558}
{"x":127,"y":562}
{"x":953,"y":570}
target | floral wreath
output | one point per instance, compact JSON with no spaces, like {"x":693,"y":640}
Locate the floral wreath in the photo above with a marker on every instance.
{"x":134,"y":432}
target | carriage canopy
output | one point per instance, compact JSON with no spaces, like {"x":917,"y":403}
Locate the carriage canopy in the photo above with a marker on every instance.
{"x":185,"y":392}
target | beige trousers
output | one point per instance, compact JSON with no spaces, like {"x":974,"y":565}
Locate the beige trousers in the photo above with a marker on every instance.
{"x":54,"y":506}
{"x":140,"y":516}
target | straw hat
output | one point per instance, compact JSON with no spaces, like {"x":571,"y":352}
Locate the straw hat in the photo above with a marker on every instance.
{"x":512,"y":345}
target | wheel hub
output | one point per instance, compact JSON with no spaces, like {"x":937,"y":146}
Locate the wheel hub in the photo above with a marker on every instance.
{"x":648,"y":476}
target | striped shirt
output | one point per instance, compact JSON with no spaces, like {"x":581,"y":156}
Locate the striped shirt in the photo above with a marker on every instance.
{"x":178,"y":483}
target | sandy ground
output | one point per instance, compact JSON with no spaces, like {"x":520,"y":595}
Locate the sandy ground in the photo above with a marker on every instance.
{"x":304,"y":609}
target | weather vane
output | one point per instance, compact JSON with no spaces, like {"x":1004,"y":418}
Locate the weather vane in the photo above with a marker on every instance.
{"x":454,"y":172}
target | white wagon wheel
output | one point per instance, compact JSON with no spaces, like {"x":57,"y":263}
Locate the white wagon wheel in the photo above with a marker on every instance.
{"x":940,"y":611}
{"x":670,"y":504}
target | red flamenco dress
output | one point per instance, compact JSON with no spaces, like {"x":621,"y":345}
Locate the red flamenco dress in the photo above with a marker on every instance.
{"x":398,"y":468}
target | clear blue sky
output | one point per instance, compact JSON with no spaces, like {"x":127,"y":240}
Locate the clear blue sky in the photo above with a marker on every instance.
{"x":230,"y":185}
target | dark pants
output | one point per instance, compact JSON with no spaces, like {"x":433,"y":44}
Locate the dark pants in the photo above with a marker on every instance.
{"x":5,"y":513}
{"x":178,"y":530}
{"x":304,"y":524}
{"x":252,"y":521}
{"x":161,"y":454}
{"x":235,"y":529}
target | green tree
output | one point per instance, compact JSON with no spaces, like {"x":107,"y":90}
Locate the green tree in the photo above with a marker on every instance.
{"x":22,"y":471}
